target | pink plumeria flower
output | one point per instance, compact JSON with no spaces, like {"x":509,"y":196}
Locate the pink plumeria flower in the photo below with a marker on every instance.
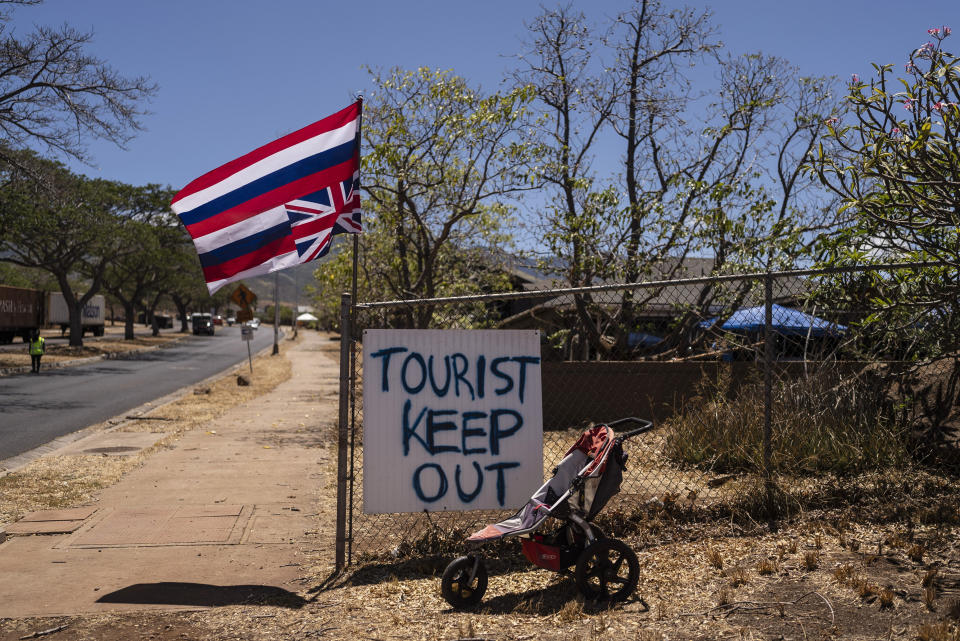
{"x":909,"y":67}
{"x":937,"y":106}
{"x":855,"y":79}
{"x":947,"y":31}
{"x":831,"y":121}
{"x":908,"y":104}
{"x":895,"y":132}
{"x":933,"y":32}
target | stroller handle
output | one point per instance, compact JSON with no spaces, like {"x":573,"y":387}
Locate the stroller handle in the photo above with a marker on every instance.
{"x":645,"y":426}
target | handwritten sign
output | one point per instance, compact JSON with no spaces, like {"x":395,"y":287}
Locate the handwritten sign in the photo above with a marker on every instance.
{"x":452,"y":419}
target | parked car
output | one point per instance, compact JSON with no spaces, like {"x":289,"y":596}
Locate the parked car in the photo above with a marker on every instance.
{"x":217,"y":319}
{"x":254,"y":323}
{"x":202,"y":324}
{"x":231,"y":320}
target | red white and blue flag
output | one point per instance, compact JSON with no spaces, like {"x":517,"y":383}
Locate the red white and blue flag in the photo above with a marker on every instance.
{"x":277,"y":206}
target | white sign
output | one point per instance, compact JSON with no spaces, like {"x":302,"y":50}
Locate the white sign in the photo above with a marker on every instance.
{"x":246,"y":333}
{"x":452,"y":419}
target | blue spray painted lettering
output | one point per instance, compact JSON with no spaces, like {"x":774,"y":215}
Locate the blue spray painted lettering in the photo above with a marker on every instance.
{"x":501,"y":483}
{"x":524,"y":361}
{"x":496,"y":433}
{"x":407,"y":387}
{"x":464,"y":496}
{"x":385,"y":354}
{"x":495,"y":368}
{"x":418,"y":485}
{"x":439,"y":391}
{"x":460,"y":374}
{"x":471,"y":432}
{"x":442,"y":426}
{"x":411,"y":431}
{"x":481,"y":364}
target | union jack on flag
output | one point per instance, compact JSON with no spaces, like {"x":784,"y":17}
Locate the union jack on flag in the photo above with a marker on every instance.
{"x":317,"y":217}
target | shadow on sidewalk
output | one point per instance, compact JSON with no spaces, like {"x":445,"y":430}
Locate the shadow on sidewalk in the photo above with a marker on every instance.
{"x":202,"y":594}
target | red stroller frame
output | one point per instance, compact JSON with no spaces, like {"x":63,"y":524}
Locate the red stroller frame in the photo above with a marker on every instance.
{"x":585,"y":480}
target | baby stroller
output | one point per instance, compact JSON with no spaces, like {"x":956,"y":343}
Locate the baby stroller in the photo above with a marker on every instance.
{"x":585,"y":480}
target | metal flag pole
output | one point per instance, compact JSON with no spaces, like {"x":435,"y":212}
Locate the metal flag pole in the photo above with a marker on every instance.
{"x":276,"y":313}
{"x":296,"y":303}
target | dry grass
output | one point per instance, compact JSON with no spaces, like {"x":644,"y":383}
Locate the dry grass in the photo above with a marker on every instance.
{"x":715,"y":558}
{"x":942,"y":631}
{"x":53,"y":482}
{"x":92,"y":347}
{"x":401,"y":600}
{"x":767,"y":567}
{"x":822,"y":423}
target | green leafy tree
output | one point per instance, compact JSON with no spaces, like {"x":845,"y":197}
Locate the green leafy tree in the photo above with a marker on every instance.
{"x":443,"y":163}
{"x":897,"y":162}
{"x":185,"y":285}
{"x":894,"y":160}
{"x":150,"y":237}
{"x":65,"y":224}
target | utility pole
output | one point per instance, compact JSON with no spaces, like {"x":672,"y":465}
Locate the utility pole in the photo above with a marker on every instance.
{"x":276,"y":313}
{"x":296,"y":302}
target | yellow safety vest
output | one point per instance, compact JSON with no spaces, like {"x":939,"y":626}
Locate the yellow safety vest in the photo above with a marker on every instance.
{"x":37,"y":346}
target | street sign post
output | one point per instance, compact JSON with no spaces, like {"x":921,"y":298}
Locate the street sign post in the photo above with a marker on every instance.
{"x":246,"y":335}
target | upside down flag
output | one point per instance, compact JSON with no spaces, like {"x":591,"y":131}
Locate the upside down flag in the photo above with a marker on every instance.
{"x":277,"y":206}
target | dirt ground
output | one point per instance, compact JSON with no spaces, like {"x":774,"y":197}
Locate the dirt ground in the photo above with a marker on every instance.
{"x":837,"y":574}
{"x":811,"y":581}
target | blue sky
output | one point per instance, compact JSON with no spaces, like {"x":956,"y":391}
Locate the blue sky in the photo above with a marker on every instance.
{"x":234,"y":74}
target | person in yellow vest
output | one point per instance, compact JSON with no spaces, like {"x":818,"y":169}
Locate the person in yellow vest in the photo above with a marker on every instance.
{"x":37,"y":349}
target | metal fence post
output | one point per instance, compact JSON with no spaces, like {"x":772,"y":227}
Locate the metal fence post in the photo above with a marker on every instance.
{"x":768,"y":393}
{"x":342,"y":429}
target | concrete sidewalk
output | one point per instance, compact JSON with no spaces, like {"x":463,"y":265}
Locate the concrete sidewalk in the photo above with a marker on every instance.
{"x":223,"y":517}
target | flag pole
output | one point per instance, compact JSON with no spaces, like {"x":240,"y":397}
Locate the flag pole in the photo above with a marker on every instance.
{"x":276,"y":313}
{"x":353,"y":353}
{"x":356,"y":239}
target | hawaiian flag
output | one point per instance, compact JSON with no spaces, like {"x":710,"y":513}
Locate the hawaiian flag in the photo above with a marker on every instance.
{"x":264,"y":211}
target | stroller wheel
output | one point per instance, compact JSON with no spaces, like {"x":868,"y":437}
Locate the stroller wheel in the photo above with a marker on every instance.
{"x":456,"y":585}
{"x":607,"y":570}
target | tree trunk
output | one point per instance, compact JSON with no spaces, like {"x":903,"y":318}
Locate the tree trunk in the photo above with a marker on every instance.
{"x":129,"y":314}
{"x":182,"y":311}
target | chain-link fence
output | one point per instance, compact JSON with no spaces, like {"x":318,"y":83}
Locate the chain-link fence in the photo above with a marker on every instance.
{"x":747,"y":377}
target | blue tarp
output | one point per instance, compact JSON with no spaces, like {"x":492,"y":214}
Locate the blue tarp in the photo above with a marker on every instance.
{"x":642,"y":338}
{"x":785,"y":321}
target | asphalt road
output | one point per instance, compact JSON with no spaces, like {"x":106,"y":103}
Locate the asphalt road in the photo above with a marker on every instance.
{"x":37,"y":408}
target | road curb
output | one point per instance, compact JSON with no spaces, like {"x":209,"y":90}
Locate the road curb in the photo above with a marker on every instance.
{"x":14,"y":463}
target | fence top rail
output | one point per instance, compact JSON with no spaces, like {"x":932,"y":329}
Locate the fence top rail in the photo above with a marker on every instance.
{"x":548,"y":293}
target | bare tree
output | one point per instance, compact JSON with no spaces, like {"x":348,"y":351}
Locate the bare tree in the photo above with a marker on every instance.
{"x":711,"y":174}
{"x":54,"y":95}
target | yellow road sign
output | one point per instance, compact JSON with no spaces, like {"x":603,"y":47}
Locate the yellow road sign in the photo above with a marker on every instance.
{"x":243,"y":297}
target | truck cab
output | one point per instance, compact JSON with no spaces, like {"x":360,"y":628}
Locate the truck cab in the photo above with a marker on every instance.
{"x":201,"y":324}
